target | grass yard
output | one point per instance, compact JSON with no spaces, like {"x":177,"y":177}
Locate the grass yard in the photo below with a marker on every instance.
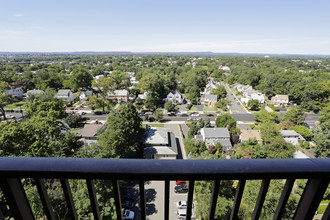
{"x":193,"y":109}
{"x":154,"y":125}
{"x":16,"y":105}
{"x":210,"y":109}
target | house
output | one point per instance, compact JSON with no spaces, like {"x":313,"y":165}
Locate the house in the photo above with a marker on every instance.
{"x":119,"y":95}
{"x":225,"y":68}
{"x":251,"y":94}
{"x":210,"y":86}
{"x":15,"y":90}
{"x":159,"y":144}
{"x":292,"y":137}
{"x":174,"y":97}
{"x":84,"y":95}
{"x":133,"y":80}
{"x":96,"y":78}
{"x":89,"y":133}
{"x":250,"y":134}
{"x":212,"y":136}
{"x":143,"y":96}
{"x":65,"y":95}
{"x":34,"y":92}
{"x":209,"y":99}
{"x":243,"y":88}
{"x":279,"y":100}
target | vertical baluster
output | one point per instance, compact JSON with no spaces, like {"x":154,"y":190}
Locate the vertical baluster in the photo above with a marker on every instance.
{"x":311,"y":197}
{"x":142,"y":200}
{"x":68,"y":197}
{"x":167,"y":199}
{"x":93,"y":199}
{"x":261,"y":198}
{"x":190,"y":198}
{"x":284,"y":198}
{"x":116,"y":195}
{"x":45,"y":199}
{"x":214,"y":199}
{"x":15,"y":195}
{"x":238,"y":198}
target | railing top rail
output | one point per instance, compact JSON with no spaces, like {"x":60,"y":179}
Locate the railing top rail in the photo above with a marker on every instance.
{"x":85,"y":168}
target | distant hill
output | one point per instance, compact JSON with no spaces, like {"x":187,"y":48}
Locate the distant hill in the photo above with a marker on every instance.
{"x":207,"y":53}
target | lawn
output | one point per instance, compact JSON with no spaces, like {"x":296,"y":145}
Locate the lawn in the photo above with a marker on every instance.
{"x":155,"y":125}
{"x":193,"y":109}
{"x":210,"y":109}
{"x":16,"y":105}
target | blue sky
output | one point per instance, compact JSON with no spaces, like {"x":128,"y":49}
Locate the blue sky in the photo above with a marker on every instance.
{"x":254,"y":26}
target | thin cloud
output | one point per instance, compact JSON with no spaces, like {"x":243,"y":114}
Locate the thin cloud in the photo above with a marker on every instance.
{"x":18,"y":15}
{"x":17,"y":32}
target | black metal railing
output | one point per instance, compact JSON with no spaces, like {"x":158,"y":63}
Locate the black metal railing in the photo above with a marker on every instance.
{"x":12,"y":170}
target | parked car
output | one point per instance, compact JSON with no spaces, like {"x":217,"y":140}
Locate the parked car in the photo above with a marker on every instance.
{"x":127,"y":204}
{"x":189,"y":119}
{"x":182,"y":214}
{"x":209,"y":115}
{"x":184,"y":115}
{"x":11,"y":116}
{"x":127,"y":214}
{"x":220,"y":114}
{"x":106,"y":112}
{"x":171,"y":114}
{"x":82,"y":113}
{"x":70,"y":112}
{"x":129,"y":196}
{"x":194,"y":114}
{"x":151,"y":119}
{"x":98,"y":113}
{"x":183,"y":204}
{"x":181,"y":189}
{"x":181,"y":182}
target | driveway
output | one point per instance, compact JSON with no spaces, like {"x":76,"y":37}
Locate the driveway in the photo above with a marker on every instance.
{"x":175,"y":128}
{"x":155,"y":200}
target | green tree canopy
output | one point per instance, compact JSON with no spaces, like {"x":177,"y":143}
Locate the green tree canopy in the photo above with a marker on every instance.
{"x":121,"y":136}
{"x":220,"y":91}
{"x":295,"y":115}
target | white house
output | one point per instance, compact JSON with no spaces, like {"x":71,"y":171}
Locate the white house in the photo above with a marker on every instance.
{"x":225,"y":68}
{"x":98,"y":77}
{"x":212,"y":136}
{"x":251,"y":94}
{"x":84,"y":95}
{"x":291,"y":136}
{"x":65,"y":95}
{"x":210,"y":86}
{"x":174,"y":97}
{"x":15,"y":90}
{"x":279,"y":100}
{"x":34,"y":92}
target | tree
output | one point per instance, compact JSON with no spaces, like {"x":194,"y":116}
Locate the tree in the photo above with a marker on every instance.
{"x":269,"y":131}
{"x":37,"y":106}
{"x":170,"y":107}
{"x":279,"y":148}
{"x":158,"y":114}
{"x":295,"y":115}
{"x":5,"y":99}
{"x":227,"y":121}
{"x":207,"y":123}
{"x":193,"y":129}
{"x":286,"y":125}
{"x":322,"y":140}
{"x":72,"y":120}
{"x":120,"y":136}
{"x":325,"y":114}
{"x":264,"y":116}
{"x":305,"y":132}
{"x":80,"y":79}
{"x":253,"y":104}
{"x":41,"y":136}
{"x":104,"y":86}
{"x":220,"y":91}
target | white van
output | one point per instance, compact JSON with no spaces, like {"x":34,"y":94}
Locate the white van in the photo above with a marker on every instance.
{"x":182,"y":214}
